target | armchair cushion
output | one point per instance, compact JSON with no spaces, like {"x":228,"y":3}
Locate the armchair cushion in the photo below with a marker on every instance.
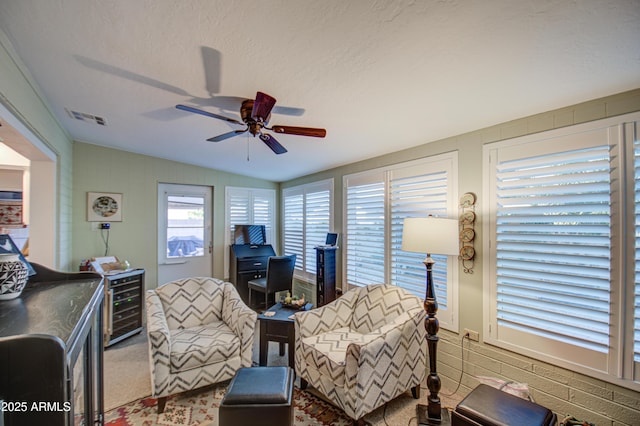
{"x":202,"y":345}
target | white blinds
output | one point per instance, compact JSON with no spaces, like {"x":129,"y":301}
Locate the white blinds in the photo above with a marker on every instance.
{"x":263,"y":212}
{"x":636,"y":334}
{"x":250,"y":206}
{"x":317,"y":217}
{"x":553,"y":237}
{"x":294,"y":226}
{"x":365,"y":233}
{"x":376,"y":204}
{"x":417,"y":195}
{"x":307,"y":219}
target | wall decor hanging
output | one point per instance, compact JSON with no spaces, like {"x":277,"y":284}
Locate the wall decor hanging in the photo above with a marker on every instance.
{"x":467,"y":231}
{"x":104,"y":207}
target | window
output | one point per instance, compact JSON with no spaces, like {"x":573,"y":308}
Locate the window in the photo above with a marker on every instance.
{"x":634,"y":159}
{"x":249,"y":206}
{"x":376,"y":204}
{"x":307,"y":218}
{"x":556,"y":250}
{"x":185,"y":226}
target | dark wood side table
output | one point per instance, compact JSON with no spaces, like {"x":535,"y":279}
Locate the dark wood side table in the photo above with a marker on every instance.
{"x":278,"y":328}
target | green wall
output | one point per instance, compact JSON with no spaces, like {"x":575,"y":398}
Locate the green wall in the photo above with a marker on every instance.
{"x":99,"y":169}
{"x":459,"y":364}
{"x":20,"y":96}
{"x":469,"y":147}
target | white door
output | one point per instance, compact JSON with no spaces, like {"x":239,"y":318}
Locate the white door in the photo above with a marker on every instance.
{"x":184,"y":232}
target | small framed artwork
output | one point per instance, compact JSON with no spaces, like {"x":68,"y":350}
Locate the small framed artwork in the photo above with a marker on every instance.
{"x":104,"y":207}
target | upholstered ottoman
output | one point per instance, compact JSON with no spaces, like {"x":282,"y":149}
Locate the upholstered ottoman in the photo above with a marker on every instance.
{"x":487,"y":406}
{"x":259,"y":395}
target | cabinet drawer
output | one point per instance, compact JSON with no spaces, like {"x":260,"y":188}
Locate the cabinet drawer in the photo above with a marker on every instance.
{"x":252,"y":264}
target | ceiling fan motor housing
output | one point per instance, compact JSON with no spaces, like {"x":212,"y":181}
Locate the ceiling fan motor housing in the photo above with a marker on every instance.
{"x":256,"y":114}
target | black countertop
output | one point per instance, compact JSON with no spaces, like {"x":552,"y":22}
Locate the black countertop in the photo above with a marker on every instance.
{"x":51,"y":308}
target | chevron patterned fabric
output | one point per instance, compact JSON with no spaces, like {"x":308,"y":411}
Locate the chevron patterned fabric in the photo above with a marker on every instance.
{"x":200,"y":333}
{"x":363,"y":349}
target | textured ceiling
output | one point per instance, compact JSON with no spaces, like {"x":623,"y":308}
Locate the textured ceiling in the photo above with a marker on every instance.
{"x":380,"y":76}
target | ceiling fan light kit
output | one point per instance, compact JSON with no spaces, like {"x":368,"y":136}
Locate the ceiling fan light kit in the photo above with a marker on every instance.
{"x":255,"y":115}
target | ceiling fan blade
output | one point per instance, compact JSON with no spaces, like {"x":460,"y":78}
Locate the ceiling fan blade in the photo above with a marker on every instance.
{"x":301,"y":131}
{"x":227,"y":135}
{"x":272,"y":143}
{"x":262,"y":107}
{"x":208,"y":114}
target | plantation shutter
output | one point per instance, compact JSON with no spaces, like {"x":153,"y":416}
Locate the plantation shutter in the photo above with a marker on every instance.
{"x":553,"y":238}
{"x":365,"y":230}
{"x":317,"y":217}
{"x":263,"y":213}
{"x":294,"y":225}
{"x":418,"y":192}
{"x":376,"y":204}
{"x":307,"y":220}
{"x":636,"y":334}
{"x":238,"y":209}
{"x":248,"y":206}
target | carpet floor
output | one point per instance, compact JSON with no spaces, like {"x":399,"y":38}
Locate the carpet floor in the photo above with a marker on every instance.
{"x":200,"y":408}
{"x":128,"y":389}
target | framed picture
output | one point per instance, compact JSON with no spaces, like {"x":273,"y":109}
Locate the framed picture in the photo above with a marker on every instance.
{"x":8,"y":246}
{"x":104,"y":207}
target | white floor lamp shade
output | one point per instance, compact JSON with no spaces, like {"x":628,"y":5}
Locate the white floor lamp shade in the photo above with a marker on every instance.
{"x":433,"y":235}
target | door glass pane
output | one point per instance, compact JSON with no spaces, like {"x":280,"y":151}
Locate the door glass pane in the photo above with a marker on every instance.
{"x":185,"y":226}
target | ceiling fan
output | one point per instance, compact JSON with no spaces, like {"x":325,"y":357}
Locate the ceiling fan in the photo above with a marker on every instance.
{"x":255,"y":115}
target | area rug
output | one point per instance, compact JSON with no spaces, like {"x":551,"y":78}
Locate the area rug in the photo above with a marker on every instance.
{"x":200,"y":408}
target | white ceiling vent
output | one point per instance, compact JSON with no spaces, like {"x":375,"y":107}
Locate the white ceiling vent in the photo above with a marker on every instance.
{"x":83,"y":116}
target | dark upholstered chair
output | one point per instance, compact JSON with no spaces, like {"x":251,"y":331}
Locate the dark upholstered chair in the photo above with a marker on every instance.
{"x":279,"y":278}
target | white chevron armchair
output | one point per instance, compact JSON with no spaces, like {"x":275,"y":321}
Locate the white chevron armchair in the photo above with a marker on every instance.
{"x":200,"y":333}
{"x":363,"y":349}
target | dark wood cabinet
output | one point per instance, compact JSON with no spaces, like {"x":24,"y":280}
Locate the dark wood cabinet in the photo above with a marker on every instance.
{"x":124,"y":300}
{"x":51,"y":351}
{"x":248,"y":262}
{"x":325,"y":275}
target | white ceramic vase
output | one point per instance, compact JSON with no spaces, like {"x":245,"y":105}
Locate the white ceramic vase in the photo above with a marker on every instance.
{"x":13,"y":276}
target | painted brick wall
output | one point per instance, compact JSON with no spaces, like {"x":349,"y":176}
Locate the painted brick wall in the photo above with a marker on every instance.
{"x":563,"y":391}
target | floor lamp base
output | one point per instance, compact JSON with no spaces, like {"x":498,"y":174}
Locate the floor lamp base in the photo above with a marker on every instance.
{"x":424,"y":420}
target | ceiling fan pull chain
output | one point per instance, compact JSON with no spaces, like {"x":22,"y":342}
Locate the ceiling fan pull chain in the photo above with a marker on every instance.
{"x":248,"y":159}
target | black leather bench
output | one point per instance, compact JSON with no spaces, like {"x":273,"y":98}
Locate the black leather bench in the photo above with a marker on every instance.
{"x":487,"y":406}
{"x":258,"y":395}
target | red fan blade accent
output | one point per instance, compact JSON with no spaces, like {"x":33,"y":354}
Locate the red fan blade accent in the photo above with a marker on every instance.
{"x":227,"y":135}
{"x":272,"y":143}
{"x":208,"y":114}
{"x":301,"y":131}
{"x":262,"y":107}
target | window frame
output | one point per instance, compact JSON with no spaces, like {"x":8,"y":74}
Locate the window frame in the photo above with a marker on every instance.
{"x":617,"y":365}
{"x":305,"y":266}
{"x":251,"y":195}
{"x":448,"y":317}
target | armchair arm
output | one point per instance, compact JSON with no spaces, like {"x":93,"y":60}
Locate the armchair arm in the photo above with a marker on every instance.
{"x":241,"y":320}
{"x":159,"y":342}
{"x":333,"y":315}
{"x":397,"y":346}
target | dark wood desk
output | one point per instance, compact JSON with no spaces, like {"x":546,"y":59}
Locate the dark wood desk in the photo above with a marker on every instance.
{"x":278,"y":328}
